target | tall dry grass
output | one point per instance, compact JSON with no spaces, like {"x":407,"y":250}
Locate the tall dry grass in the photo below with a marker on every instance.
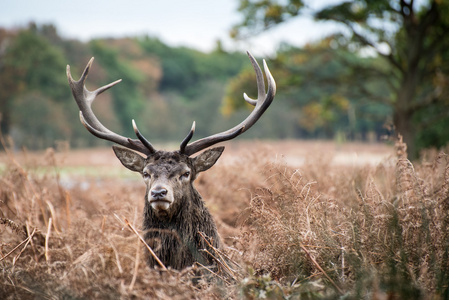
{"x":317,"y":232}
{"x":71,"y":244}
{"x":366,"y":233}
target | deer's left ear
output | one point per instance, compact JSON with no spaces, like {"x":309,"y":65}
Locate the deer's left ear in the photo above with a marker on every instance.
{"x":207,"y":159}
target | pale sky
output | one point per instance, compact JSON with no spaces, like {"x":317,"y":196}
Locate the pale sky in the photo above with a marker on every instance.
{"x":193,"y":23}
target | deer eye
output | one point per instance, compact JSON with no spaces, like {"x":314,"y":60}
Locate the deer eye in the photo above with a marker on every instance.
{"x":185,"y":175}
{"x":146,"y":175}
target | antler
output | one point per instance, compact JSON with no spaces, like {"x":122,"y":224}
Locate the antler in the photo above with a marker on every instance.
{"x":261,"y":104}
{"x":84,"y":99}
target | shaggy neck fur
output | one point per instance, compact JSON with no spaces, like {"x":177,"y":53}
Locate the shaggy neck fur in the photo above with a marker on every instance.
{"x":174,"y":237}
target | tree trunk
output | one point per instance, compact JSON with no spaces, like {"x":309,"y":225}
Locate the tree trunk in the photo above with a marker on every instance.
{"x":404,"y":110}
{"x":4,"y":117}
{"x":404,"y":127}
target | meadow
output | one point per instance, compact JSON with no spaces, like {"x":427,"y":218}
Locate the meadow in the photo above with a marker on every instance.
{"x":300,"y":220}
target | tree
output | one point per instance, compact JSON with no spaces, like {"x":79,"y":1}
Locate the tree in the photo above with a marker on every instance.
{"x":127,"y":97}
{"x":184,"y":68}
{"x":326,"y":97}
{"x":410,"y":37}
{"x":28,"y":64}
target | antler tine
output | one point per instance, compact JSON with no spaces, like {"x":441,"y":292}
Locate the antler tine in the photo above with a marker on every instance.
{"x":187,"y":139}
{"x":142,"y":138}
{"x":84,"y":99}
{"x":259,"y":79}
{"x":261,"y":104}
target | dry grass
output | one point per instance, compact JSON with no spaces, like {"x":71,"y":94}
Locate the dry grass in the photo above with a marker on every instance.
{"x":320,"y":231}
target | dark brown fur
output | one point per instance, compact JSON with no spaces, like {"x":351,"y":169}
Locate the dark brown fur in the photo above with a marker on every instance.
{"x":174,"y":234}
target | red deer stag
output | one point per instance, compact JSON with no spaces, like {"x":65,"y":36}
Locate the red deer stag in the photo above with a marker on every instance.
{"x":175,"y":217}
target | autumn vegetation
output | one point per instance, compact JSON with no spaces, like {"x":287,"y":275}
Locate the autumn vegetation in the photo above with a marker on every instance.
{"x":336,"y":88}
{"x":320,"y":230}
{"x":358,"y":214}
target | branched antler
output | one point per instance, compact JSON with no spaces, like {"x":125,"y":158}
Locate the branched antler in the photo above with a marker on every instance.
{"x":261,"y":104}
{"x":84,"y":99}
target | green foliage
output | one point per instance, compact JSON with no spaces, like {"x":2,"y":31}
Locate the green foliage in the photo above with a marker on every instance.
{"x":30,"y":65}
{"x":35,"y":65}
{"x":411,"y":38}
{"x":261,"y":15}
{"x":331,"y":89}
{"x":163,"y":88}
{"x":323,"y":92}
{"x":52,"y":125}
{"x":244,"y":81}
{"x":433,"y":124}
{"x":127,"y":96}
{"x":184,"y":68}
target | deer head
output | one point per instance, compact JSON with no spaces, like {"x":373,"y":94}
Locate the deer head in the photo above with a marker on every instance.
{"x":169,"y":175}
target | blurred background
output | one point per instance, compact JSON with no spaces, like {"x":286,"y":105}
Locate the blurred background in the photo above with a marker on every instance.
{"x":345,"y":70}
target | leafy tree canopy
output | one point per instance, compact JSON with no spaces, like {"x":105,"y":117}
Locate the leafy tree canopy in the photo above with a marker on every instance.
{"x":28,"y":64}
{"x":411,"y":37}
{"x":325,"y":95}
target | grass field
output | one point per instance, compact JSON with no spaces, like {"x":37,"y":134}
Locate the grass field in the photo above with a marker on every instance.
{"x":300,"y":220}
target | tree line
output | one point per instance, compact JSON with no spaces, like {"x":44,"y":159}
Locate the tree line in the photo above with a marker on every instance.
{"x":328,"y":89}
{"x":164,"y":88}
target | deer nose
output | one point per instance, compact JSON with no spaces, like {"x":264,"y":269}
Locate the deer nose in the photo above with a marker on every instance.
{"x":158,"y":193}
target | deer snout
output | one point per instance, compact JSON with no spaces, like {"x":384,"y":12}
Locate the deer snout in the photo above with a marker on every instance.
{"x":158,"y":193}
{"x":160,"y":197}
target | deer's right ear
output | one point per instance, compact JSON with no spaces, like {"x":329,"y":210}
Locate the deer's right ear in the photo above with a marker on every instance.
{"x":129,"y":159}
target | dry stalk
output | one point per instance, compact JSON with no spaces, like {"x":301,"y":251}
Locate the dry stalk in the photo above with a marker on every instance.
{"x":53,"y":216}
{"x":117,"y":258}
{"x":67,"y":208}
{"x":221,"y":261}
{"x":31,"y":242}
{"x":47,"y":237}
{"x":136,"y":267}
{"x":18,"y":246}
{"x":30,"y":238}
{"x":343,"y":263}
{"x":212,"y":272}
{"x":321,"y":269}
{"x":143,"y":241}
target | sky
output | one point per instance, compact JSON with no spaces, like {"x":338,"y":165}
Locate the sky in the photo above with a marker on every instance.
{"x":193,"y":23}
